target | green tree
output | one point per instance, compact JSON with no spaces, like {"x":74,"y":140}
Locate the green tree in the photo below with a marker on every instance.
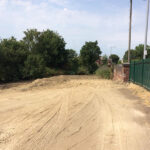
{"x":34,"y":67}
{"x":48,"y":44}
{"x":132,"y":55}
{"x":72,"y":63}
{"x":31,"y":39}
{"x":137,"y":53}
{"x":89,"y":53}
{"x":105,"y":60}
{"x":13,"y":54}
{"x":115,"y":58}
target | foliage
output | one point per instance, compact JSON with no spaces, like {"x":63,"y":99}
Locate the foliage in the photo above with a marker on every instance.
{"x":132,"y":55}
{"x":115,"y":58}
{"x":48,"y":44}
{"x":42,"y":54}
{"x":137,"y":53}
{"x":37,"y":55}
{"x":13,"y":54}
{"x":119,"y":62}
{"x":82,"y":71}
{"x":104,"y":72}
{"x":34,"y":56}
{"x":89,"y":53}
{"x":105,"y":59}
{"x":34,"y":67}
{"x":31,"y":39}
{"x":72,"y":63}
{"x":53,"y":72}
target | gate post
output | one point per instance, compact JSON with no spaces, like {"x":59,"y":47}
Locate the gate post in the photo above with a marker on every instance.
{"x":134,"y":73}
{"x":142,"y":71}
{"x":126,"y":71}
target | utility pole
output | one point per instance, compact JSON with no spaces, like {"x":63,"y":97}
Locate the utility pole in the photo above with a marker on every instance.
{"x":146,"y":31}
{"x":130,"y":26}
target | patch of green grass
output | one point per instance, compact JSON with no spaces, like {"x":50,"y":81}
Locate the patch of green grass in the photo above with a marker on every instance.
{"x":104,"y":72}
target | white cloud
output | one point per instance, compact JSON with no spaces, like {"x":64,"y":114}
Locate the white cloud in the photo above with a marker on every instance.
{"x":76,"y":26}
{"x":3,"y":2}
{"x":59,"y":2}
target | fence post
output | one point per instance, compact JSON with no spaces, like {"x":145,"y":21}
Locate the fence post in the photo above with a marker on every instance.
{"x":134,"y":72}
{"x":142,"y":71}
{"x":130,"y":72}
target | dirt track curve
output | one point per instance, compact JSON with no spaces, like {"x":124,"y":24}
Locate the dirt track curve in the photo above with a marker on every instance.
{"x":72,"y":113}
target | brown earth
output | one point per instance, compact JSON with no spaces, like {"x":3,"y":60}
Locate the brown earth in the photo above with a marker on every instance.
{"x":72,"y":113}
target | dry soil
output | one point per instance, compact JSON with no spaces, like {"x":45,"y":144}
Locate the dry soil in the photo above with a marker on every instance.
{"x":72,"y":113}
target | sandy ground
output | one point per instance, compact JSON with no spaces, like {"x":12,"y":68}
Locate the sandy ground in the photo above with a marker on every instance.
{"x":140,"y":92}
{"x":72,"y":113}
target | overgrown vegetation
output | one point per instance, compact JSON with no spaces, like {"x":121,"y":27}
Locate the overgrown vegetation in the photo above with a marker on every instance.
{"x":42,"y":54}
{"x":104,"y":72}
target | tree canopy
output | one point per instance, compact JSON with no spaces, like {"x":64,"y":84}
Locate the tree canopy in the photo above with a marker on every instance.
{"x":13,"y":54}
{"x":115,"y":58}
{"x":49,"y":44}
{"x":89,"y":53}
{"x":137,"y":53}
{"x":32,"y":57}
{"x":72,"y":63}
{"x":42,"y":53}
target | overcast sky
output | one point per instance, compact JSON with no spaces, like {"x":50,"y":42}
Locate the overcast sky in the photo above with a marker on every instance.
{"x":77,"y":21}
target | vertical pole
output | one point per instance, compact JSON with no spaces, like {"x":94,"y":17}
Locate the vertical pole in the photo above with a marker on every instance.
{"x":143,"y":71}
{"x":134,"y":73}
{"x":146,"y":30}
{"x":130,"y":73}
{"x":130,"y":26}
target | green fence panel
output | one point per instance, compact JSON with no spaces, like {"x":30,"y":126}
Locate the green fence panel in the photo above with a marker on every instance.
{"x":140,"y":72}
{"x":146,"y":74}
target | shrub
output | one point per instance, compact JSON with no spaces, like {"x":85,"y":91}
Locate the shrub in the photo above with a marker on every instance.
{"x":104,"y":72}
{"x":52,"y":72}
{"x":34,"y":67}
{"x":82,"y":71}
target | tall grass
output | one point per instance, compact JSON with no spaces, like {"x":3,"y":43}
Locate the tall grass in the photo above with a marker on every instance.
{"x":104,"y":72}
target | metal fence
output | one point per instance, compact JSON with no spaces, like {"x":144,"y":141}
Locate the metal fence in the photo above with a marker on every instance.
{"x":140,"y":72}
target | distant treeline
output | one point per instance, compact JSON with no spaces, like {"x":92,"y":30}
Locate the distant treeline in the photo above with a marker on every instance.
{"x":43,"y":54}
{"x":137,"y":53}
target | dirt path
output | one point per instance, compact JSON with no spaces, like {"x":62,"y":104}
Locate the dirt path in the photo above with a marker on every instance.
{"x":72,"y":113}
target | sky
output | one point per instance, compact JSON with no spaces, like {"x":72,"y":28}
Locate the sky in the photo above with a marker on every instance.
{"x":77,"y":21}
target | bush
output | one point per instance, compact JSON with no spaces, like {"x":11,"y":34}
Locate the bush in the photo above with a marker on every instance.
{"x":82,"y":71}
{"x":104,"y":72}
{"x":34,"y":67}
{"x":72,"y":62}
{"x":53,"y":72}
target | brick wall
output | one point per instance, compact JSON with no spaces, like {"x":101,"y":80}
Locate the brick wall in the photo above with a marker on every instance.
{"x":121,"y":72}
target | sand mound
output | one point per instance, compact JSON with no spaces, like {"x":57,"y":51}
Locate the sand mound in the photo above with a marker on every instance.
{"x":45,"y":82}
{"x":63,"y":81}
